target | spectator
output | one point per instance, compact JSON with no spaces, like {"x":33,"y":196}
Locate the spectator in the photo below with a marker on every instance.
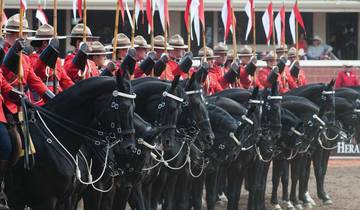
{"x":318,"y":51}
{"x":347,"y":78}
{"x":302,"y":42}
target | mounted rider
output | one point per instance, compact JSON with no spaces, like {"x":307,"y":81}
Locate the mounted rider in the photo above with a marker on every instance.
{"x":180,"y":62}
{"x":145,"y":59}
{"x":45,"y":59}
{"x":10,"y":65}
{"x":97,"y":53}
{"x":77,"y":65}
{"x":297,"y":75}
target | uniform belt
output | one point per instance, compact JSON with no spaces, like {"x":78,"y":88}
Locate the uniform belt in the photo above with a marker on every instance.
{"x":51,"y":83}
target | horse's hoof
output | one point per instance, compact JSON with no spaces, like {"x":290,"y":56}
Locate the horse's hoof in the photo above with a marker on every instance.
{"x":327,"y":202}
{"x":277,"y":207}
{"x":299,"y":207}
{"x":308,"y":205}
{"x":288,"y":205}
{"x":309,"y":198}
{"x":223,"y":198}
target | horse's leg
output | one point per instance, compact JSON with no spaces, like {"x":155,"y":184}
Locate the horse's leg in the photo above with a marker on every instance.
{"x":108,"y":199}
{"x":262,"y":191}
{"x":122,"y":195}
{"x":157,"y":188}
{"x":170,"y":190}
{"x":47,"y":204}
{"x":276,"y":174}
{"x":91,"y":199}
{"x":211,"y":192}
{"x":304,"y":180}
{"x":253,"y":178}
{"x":136,"y":199}
{"x":221,"y":184}
{"x":182,"y":190}
{"x":319,"y":173}
{"x":235,"y":177}
{"x":295,"y":172}
{"x":146,"y":190}
{"x":197,"y":192}
{"x":285,"y":185}
{"x":324,"y":161}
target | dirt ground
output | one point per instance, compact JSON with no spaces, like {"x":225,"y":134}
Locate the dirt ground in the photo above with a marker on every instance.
{"x":342,"y":184}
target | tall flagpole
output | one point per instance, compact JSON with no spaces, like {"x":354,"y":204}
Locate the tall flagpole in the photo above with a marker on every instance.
{"x":254,"y":27}
{"x":1,"y":15}
{"x":133,"y":29}
{"x":189,"y":33}
{"x":21,"y":70}
{"x":152,"y":27}
{"x":85,"y":21}
{"x":297,"y":35}
{"x":234,"y":34}
{"x":55,"y":35}
{"x":116,"y":29}
{"x":283,"y":41}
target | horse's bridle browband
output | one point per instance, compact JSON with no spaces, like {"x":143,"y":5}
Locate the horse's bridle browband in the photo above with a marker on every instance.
{"x":274,"y":97}
{"x":192,"y":92}
{"x":252,"y":101}
{"x":332,"y":92}
{"x":124,"y":95}
{"x":176,"y":98}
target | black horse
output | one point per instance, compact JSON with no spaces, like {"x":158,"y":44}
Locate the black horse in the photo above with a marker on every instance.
{"x":98,"y":113}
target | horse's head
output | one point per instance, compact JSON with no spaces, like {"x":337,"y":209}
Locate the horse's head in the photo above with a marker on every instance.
{"x":292,"y":131}
{"x":169,"y":110}
{"x":271,"y":112}
{"x":195,"y":109}
{"x":115,"y":115}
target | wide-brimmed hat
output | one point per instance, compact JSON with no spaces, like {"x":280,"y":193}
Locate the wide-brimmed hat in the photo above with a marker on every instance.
{"x":347,"y":65}
{"x":177,"y":42}
{"x":221,"y":48}
{"x":123,"y":42}
{"x":230,"y":54}
{"x":282,"y":49}
{"x":209,"y":53}
{"x":292,"y":52}
{"x":96,"y":48}
{"x":270,"y":56}
{"x":78,"y":30}
{"x":159,"y":43}
{"x":245,"y":51}
{"x":44,"y":32}
{"x":316,"y":37}
{"x":141,"y":42}
{"x":13,"y":25}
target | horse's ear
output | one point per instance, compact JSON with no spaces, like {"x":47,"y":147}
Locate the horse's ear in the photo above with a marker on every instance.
{"x":274,"y":89}
{"x":175,"y":82}
{"x":121,"y":78}
{"x":255,"y":93}
{"x":331,"y":84}
{"x":192,"y":80}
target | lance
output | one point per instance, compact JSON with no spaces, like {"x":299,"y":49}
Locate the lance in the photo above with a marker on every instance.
{"x":83,"y":75}
{"x":283,"y":35}
{"x":152,"y":27}
{"x":297,"y":35}
{"x":55,"y":36}
{"x":84,"y":21}
{"x":133,"y":29}
{"x":116,"y":29}
{"x":254,"y":38}
{"x":189,"y":33}
{"x":1,"y":15}
{"x":273,"y":32}
{"x":234,"y":35}
{"x":21,"y":70}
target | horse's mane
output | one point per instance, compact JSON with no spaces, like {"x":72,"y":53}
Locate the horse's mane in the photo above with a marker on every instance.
{"x":342,"y":106}
{"x":306,"y":89}
{"x":80,"y":93}
{"x":300,"y":104}
{"x":149,"y":88}
{"x":287,"y":117}
{"x":221,"y":118}
{"x":231,"y":106}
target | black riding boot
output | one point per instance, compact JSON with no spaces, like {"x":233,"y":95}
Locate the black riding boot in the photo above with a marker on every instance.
{"x":3,"y":198}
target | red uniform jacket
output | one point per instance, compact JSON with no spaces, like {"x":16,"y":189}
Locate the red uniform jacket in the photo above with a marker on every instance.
{"x":215,"y":81}
{"x":283,"y":82}
{"x":297,"y":82}
{"x":138,"y":72}
{"x":74,"y":73}
{"x":30,"y":79}
{"x":346,"y":79}
{"x":171,"y":70}
{"x":5,"y":89}
{"x":40,"y":70}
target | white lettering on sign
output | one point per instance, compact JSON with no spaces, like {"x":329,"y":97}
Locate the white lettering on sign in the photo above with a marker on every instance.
{"x":348,"y":148}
